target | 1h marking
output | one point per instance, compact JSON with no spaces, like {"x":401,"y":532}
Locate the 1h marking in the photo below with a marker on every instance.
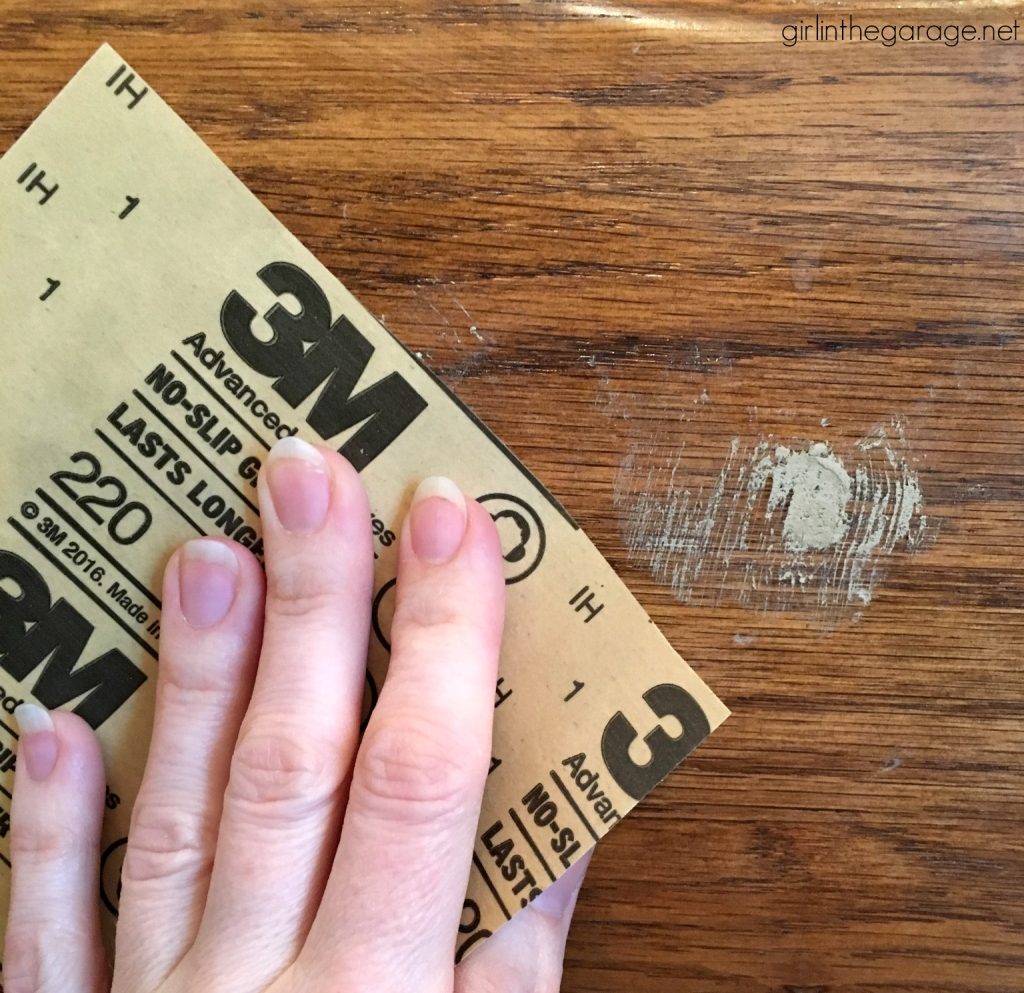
{"x":126,"y":86}
{"x":37,"y":183}
{"x":587,"y":603}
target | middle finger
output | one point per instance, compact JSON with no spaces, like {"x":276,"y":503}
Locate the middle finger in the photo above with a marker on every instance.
{"x":284,"y":801}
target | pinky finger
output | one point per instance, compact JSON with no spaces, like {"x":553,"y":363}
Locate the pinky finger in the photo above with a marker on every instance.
{"x":53,"y":934}
{"x":525,"y":955}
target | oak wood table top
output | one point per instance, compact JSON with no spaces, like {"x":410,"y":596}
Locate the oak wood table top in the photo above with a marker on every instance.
{"x":706,"y":284}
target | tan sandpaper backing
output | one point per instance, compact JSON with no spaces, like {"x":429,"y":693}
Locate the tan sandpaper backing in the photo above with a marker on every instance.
{"x":160,"y":330}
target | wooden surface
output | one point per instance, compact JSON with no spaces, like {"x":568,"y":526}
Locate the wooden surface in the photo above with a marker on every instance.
{"x":641,"y":242}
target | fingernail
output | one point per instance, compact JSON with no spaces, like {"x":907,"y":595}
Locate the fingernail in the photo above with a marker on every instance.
{"x":437,"y":519}
{"x":38,"y":744}
{"x":299,"y":485}
{"x":207,"y":581}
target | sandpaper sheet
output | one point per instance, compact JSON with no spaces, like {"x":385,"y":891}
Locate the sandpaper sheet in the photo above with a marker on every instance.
{"x":160,"y":330}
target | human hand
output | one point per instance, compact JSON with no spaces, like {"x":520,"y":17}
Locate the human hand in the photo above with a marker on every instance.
{"x":270,"y":851}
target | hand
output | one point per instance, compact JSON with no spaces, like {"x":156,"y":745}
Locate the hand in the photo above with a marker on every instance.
{"x":270,"y":851}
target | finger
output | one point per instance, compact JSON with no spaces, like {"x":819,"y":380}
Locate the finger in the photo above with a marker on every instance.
{"x":209,"y":641}
{"x":53,"y":934}
{"x":526,"y":954}
{"x":284,"y":800}
{"x":391,"y":910}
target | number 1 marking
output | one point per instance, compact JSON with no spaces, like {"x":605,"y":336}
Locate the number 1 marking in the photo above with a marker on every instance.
{"x":54,"y":283}
{"x":133,"y":202}
{"x":577,"y":686}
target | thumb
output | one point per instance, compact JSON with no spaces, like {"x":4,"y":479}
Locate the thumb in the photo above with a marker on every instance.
{"x":525,"y":955}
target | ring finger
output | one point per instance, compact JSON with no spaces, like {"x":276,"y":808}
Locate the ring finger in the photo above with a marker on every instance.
{"x":212,"y":609}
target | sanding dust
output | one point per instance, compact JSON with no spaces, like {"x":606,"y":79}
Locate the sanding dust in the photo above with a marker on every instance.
{"x":781,"y":526}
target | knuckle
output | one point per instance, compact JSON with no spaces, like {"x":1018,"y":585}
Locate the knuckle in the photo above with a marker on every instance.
{"x":299,"y":593}
{"x":23,"y":960}
{"x":424,"y":608}
{"x":415,"y":771}
{"x":44,"y":843}
{"x":295,"y":771}
{"x":166,"y":843}
{"x":184,"y":684}
{"x":43,"y":953}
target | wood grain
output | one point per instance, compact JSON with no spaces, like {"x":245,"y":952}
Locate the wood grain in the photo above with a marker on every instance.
{"x":629,"y":237}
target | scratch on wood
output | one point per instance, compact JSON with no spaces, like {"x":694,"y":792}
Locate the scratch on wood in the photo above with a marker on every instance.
{"x":781,"y":526}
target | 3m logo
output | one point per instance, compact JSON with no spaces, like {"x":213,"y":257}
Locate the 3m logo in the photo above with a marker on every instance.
{"x":35,"y":632}
{"x":308,"y":351}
